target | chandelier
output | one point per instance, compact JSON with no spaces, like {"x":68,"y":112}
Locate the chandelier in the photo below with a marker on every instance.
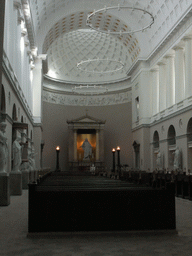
{"x":105,"y":9}
{"x":89,"y":89}
{"x":116,"y":65}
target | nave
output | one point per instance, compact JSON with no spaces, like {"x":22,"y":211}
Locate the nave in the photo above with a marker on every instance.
{"x":14,"y":240}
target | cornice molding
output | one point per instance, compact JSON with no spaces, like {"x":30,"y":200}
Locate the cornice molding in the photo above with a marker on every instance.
{"x":163,"y":119}
{"x":96,"y":100}
{"x":165,"y":45}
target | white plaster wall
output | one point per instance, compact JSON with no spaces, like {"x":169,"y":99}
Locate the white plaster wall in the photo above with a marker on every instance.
{"x":9,"y":108}
{"x":18,"y":58}
{"x":141,"y":136}
{"x":117,"y":131}
{"x":180,"y":123}
{"x":142,"y":88}
{"x":145,"y":94}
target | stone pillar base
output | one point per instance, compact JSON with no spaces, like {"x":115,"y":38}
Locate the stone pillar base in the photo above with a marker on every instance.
{"x":4,"y":189}
{"x":15,"y":183}
{"x":33,"y":176}
{"x":25,"y":179}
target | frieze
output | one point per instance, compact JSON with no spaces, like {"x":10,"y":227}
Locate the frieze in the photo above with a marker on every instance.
{"x":96,"y":100}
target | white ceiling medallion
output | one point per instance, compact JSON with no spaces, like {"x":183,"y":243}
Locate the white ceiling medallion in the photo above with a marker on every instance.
{"x":90,"y":18}
{"x":89,"y":89}
{"x":100,"y":66}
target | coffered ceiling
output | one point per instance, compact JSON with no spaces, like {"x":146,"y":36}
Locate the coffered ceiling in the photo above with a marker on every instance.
{"x":58,"y":29}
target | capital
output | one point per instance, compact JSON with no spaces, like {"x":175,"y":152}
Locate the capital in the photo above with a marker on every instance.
{"x":187,"y":38}
{"x":178,"y":48}
{"x":161,"y":63}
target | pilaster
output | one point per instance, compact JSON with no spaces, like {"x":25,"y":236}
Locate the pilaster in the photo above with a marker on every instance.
{"x":75,"y":144}
{"x":162,"y":85}
{"x":188,"y":65}
{"x":2,"y":16}
{"x":170,"y":80}
{"x":37,"y":90}
{"x":155,"y":90}
{"x":179,"y":73}
{"x":97,"y":145}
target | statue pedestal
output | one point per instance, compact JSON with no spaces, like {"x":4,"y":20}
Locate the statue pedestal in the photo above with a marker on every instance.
{"x":4,"y":189}
{"x":15,"y":183}
{"x":33,"y":176}
{"x":25,"y":179}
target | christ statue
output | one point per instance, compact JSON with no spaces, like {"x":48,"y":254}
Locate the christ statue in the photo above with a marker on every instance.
{"x":86,"y":146}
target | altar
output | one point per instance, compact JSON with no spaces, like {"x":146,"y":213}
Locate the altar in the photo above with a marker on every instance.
{"x":86,"y":143}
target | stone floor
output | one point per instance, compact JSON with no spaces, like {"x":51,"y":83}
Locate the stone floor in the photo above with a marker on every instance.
{"x":14,"y":240}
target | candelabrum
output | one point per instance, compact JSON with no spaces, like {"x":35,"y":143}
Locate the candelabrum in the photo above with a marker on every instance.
{"x":113,"y":152}
{"x":118,"y":157}
{"x":57,"y":160}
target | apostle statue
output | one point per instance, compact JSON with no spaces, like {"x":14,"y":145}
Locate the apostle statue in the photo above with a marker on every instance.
{"x":31,"y":158}
{"x":159,"y":160}
{"x":177,"y":159}
{"x":86,"y":146}
{"x":3,"y":148}
{"x":17,"y":154}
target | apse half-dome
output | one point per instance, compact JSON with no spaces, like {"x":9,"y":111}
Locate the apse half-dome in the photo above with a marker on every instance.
{"x":84,"y":44}
{"x":70,"y":42}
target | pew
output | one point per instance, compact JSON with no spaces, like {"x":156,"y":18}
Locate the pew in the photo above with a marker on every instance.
{"x":159,"y":179}
{"x":66,"y":202}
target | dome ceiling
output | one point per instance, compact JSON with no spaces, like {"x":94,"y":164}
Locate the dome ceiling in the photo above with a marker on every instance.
{"x":58,"y":27}
{"x":66,"y":47}
{"x":73,"y":47}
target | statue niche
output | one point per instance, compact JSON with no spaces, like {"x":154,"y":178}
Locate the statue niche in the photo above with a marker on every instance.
{"x":86,"y":142}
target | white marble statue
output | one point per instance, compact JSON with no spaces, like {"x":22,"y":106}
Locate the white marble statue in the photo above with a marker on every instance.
{"x":92,"y":169}
{"x":17,"y":154}
{"x":159,"y":160}
{"x":177,"y":159}
{"x":31,"y":159}
{"x":24,"y":166}
{"x":86,"y":146}
{"x":3,"y":148}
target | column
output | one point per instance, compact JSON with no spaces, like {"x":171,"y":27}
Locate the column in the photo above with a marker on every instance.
{"x":170,"y":80}
{"x":155,"y":90}
{"x":179,"y":74}
{"x":75,"y":145}
{"x":2,"y":15}
{"x":188,"y":66}
{"x":162,"y":85}
{"x":37,"y":90}
{"x":97,"y":145}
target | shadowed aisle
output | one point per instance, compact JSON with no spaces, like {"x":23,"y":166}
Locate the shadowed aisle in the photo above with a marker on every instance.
{"x":14,"y":241}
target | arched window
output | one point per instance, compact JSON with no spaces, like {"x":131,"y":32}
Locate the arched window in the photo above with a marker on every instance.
{"x":14,"y":113}
{"x":156,"y":139}
{"x":18,"y":113}
{"x":9,"y":98}
{"x":189,"y":130}
{"x":171,"y":135}
{"x":3,"y":104}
